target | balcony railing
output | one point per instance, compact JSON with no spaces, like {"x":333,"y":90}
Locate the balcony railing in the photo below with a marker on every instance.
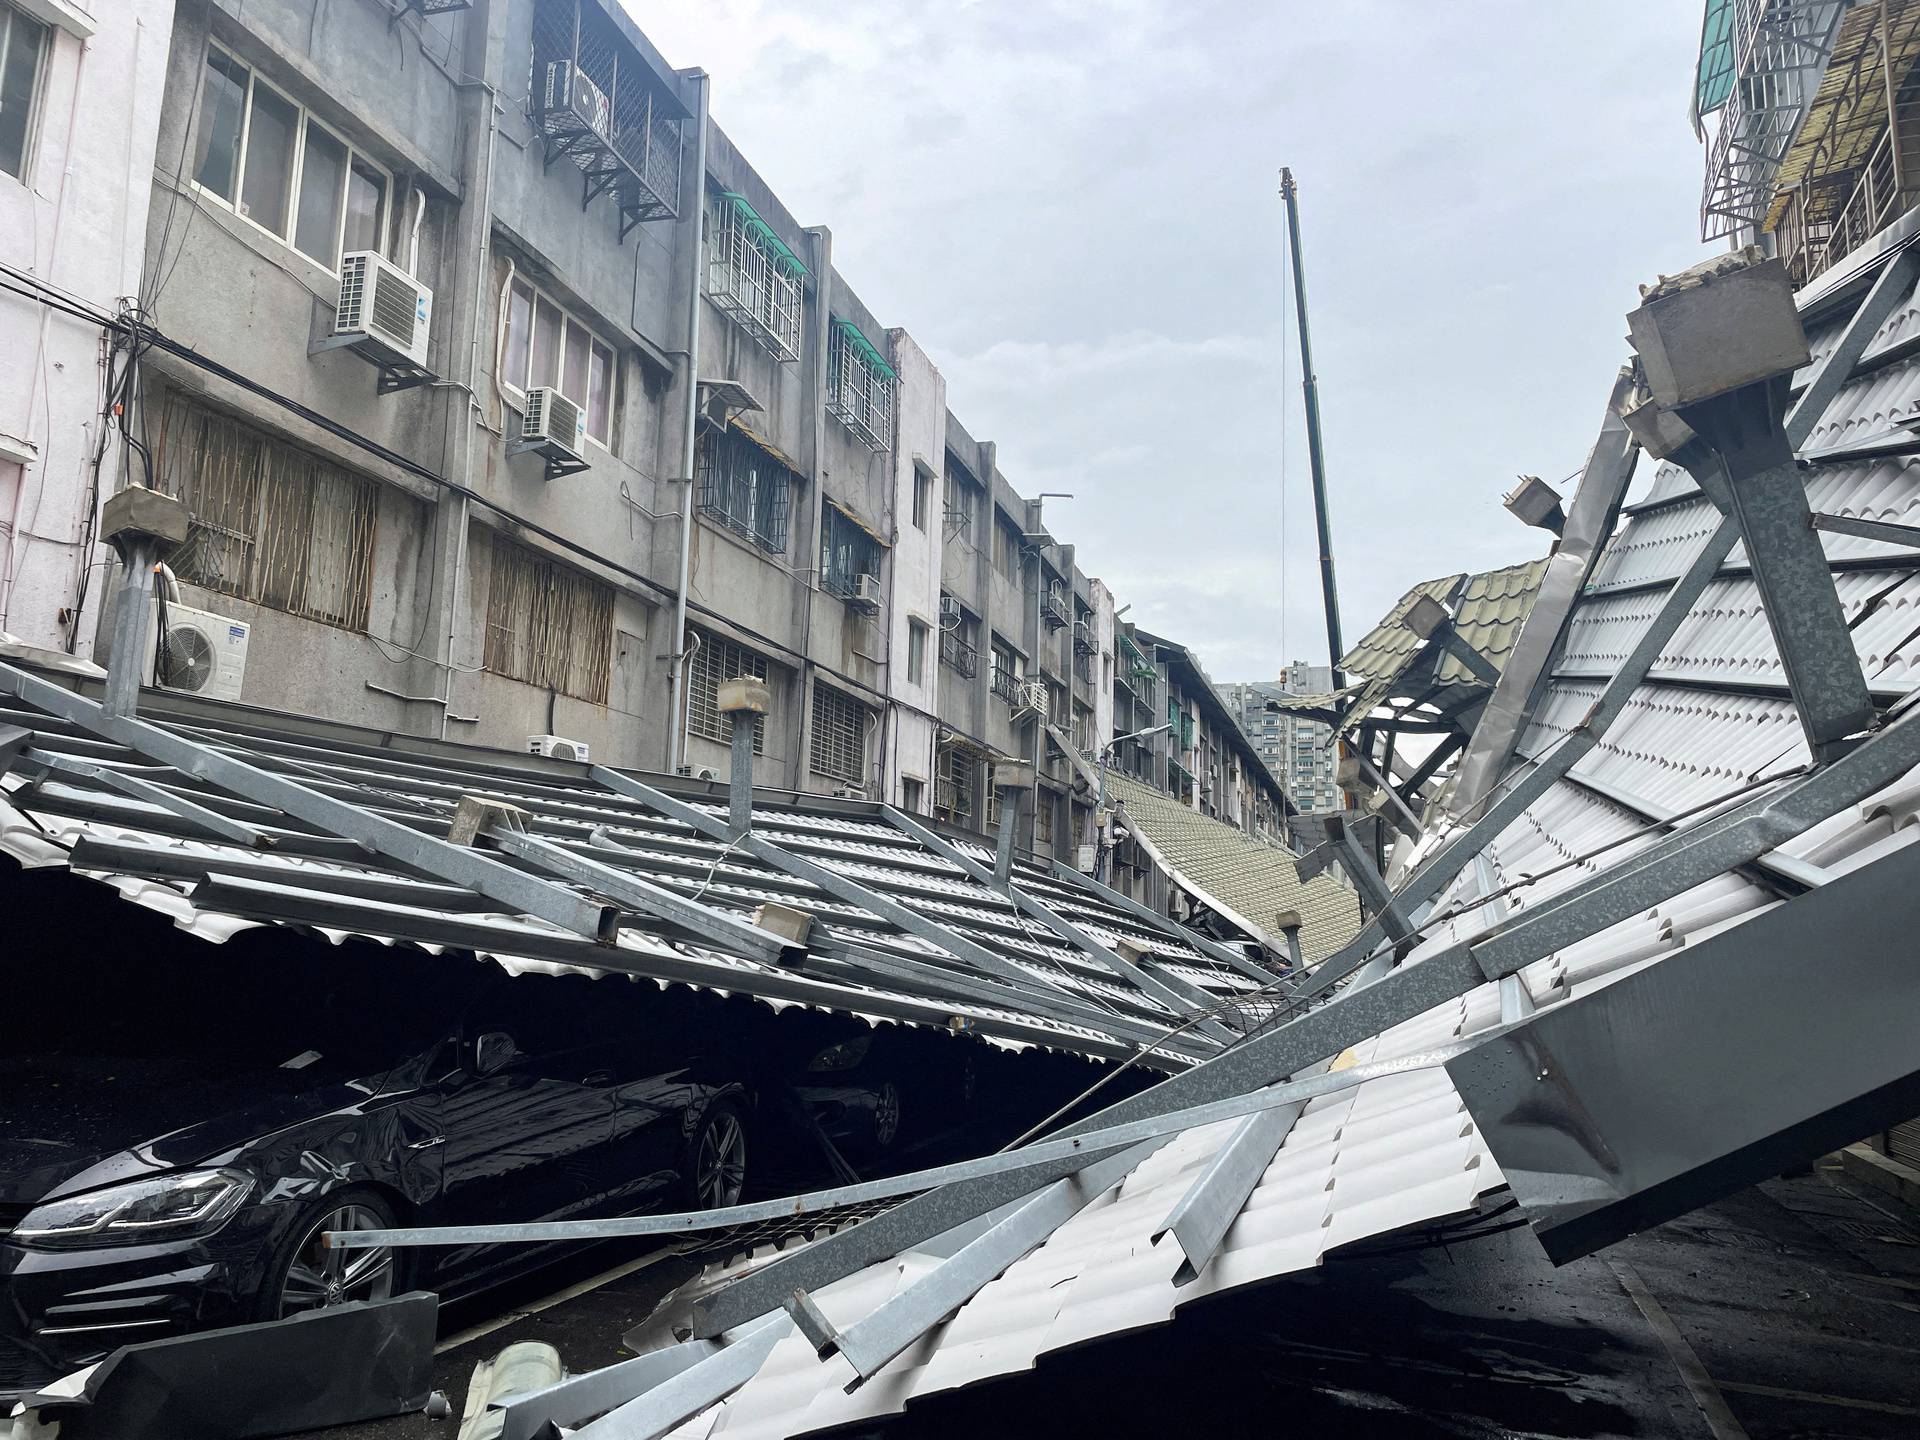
{"x":1006,"y":684}
{"x":958,"y":654}
{"x":1054,"y":609}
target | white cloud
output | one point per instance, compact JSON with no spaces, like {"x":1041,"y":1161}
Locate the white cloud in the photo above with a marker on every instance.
{"x":1071,"y":205}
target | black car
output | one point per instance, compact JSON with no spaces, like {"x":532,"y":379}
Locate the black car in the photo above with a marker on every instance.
{"x":175,"y":1139}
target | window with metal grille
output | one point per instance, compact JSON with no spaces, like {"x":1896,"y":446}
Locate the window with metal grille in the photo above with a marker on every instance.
{"x":993,"y":807}
{"x":1006,"y":672}
{"x":847,"y":552}
{"x":958,"y":504}
{"x":753,"y":276}
{"x":744,"y":488}
{"x":548,"y":624}
{"x":953,"y":783}
{"x":714,"y":659}
{"x":860,"y":386}
{"x":271,"y":523}
{"x":838,"y":747}
{"x":1044,"y":805}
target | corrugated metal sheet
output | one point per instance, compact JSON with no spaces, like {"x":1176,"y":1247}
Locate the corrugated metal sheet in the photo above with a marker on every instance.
{"x":1711,"y":720}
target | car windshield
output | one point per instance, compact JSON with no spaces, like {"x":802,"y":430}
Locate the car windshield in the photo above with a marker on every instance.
{"x":355,"y":1008}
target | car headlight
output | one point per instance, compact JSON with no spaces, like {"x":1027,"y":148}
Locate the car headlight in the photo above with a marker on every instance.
{"x":179,"y":1206}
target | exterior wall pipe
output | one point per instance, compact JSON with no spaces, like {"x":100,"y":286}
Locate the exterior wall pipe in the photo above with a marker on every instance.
{"x":122,"y":695}
{"x":677,"y":662}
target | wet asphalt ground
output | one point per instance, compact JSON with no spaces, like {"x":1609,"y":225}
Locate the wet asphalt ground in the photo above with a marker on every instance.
{"x":1789,"y":1310}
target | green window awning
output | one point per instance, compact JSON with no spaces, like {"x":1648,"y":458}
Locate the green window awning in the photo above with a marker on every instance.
{"x":764,"y":232}
{"x":1713,"y":76}
{"x":866,"y":347}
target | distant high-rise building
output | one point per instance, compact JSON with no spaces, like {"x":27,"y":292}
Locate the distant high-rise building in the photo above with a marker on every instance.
{"x":1298,"y":750}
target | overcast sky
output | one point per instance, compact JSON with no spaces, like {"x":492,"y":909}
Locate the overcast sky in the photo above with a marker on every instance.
{"x":1072,"y":206}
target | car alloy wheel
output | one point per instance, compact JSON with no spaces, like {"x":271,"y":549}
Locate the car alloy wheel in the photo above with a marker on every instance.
{"x":318,"y":1277}
{"x":720,"y":1160}
{"x":886,"y":1114}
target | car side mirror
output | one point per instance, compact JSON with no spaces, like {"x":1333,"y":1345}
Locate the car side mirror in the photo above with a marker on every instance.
{"x":491,"y":1052}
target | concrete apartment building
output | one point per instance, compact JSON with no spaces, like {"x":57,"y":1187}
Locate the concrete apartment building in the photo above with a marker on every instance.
{"x":511,"y":402}
{"x":73,"y":213}
{"x":1297,"y":749}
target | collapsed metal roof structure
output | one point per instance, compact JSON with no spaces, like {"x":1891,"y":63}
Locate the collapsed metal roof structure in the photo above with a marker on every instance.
{"x":1696,"y":789}
{"x":223,"y":823}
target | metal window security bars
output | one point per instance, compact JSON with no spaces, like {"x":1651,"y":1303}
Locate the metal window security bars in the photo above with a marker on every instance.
{"x":595,"y":101}
{"x":860,"y":386}
{"x":744,"y":488}
{"x":753,"y":276}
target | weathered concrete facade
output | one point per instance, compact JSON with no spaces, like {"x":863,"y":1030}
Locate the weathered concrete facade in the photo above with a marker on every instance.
{"x":73,"y":212}
{"x":572,"y":239}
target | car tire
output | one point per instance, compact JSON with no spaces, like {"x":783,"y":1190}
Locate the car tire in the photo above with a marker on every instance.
{"x":883,"y":1130}
{"x":301,"y":1276}
{"x":714,"y":1172}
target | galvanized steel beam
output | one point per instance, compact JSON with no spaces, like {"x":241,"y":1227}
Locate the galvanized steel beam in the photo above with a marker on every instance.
{"x":1831,"y":373}
{"x":212,"y":821}
{"x":854,"y":893}
{"x":1185,"y":1001}
{"x":528,"y":894}
{"x":1623,"y":890}
{"x":1206,"y":945}
{"x":686,"y":1394}
{"x":1200,"y":1219}
{"x":1886,"y":531}
{"x":869,"y":1344}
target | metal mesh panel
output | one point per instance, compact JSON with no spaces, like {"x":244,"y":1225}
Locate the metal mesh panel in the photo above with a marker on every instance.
{"x":548,"y":624}
{"x":718,"y":658}
{"x":838,"y":747}
{"x":271,"y":523}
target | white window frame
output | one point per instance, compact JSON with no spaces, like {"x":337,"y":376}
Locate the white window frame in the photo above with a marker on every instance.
{"x":516,"y":387}
{"x":305,"y":118}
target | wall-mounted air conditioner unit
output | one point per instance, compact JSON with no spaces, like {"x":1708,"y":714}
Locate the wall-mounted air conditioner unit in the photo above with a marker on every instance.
{"x":383,"y":312}
{"x":199,"y":653}
{"x":866,"y":593}
{"x":555,"y":429}
{"x":849,"y":792}
{"x":1030,"y":696}
{"x":568,"y":89}
{"x":557,"y":747}
{"x":949,"y":611}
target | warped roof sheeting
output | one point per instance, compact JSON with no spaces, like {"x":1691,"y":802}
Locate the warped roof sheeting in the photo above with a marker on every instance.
{"x":1044,"y":989}
{"x":1252,"y":877}
{"x":1711,"y":721}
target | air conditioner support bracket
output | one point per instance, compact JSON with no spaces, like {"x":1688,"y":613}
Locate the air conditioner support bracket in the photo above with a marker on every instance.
{"x":555,"y":466}
{"x":402,"y":377}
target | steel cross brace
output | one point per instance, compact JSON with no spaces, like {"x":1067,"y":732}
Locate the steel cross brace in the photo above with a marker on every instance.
{"x":1061,"y":1005}
{"x":1225,"y":954}
{"x":224,"y":827}
{"x":1886,"y":531}
{"x":1435,"y":873}
{"x":1181,"y":998}
{"x":527,"y":894}
{"x":1889,"y":291}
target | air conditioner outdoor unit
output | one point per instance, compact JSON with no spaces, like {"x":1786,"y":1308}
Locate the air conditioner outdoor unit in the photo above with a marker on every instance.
{"x":568,"y":89}
{"x":556,"y":747}
{"x":553,"y":426}
{"x":1031,"y":695}
{"x":949,"y":611}
{"x":198,"y":654}
{"x":866,"y":592}
{"x":384,"y":310}
{"x":850,"y":792}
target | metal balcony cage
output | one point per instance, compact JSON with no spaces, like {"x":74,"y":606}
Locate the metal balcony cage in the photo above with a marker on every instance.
{"x":744,"y":489}
{"x":753,"y":276}
{"x":1054,"y":608}
{"x":860,"y":387}
{"x":595,"y":101}
{"x":959,"y":654}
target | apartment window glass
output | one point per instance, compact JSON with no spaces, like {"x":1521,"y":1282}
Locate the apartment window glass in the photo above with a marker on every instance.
{"x":959,"y":506}
{"x":323,"y":168}
{"x":922,"y":498}
{"x":544,"y":345}
{"x":1043,"y":811}
{"x":744,"y":488}
{"x":1006,"y":671}
{"x":913,"y":795}
{"x":953,"y":782}
{"x":916,"y":653}
{"x":847,"y":552}
{"x":837,"y":747}
{"x":1006,"y":546}
{"x":272,"y":524}
{"x":22,"y":43}
{"x":548,"y":624}
{"x":265,"y":155}
{"x":715,"y":659}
